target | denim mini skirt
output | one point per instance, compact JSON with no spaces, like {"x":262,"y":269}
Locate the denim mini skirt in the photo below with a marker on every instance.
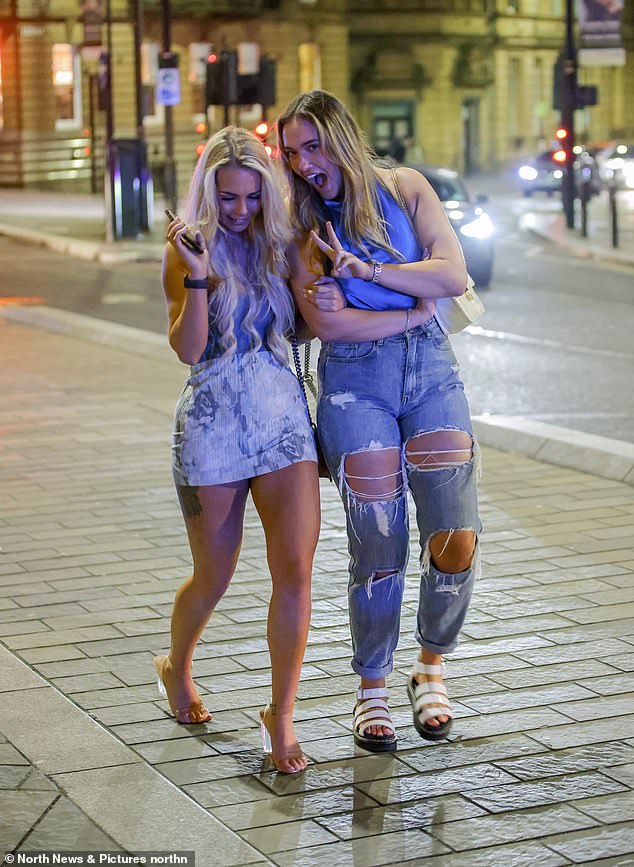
{"x":237,"y":418}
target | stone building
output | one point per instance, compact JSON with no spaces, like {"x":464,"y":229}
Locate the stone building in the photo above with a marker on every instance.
{"x":466,"y":83}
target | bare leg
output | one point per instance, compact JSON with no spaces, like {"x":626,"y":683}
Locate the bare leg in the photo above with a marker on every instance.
{"x":213,"y":516}
{"x":288,"y":504}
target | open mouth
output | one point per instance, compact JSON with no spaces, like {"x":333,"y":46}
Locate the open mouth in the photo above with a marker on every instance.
{"x":317,"y":180}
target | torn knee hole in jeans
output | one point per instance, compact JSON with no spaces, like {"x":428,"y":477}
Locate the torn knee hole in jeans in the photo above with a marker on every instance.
{"x":446,"y":581}
{"x":442,"y":449}
{"x":380,"y":575}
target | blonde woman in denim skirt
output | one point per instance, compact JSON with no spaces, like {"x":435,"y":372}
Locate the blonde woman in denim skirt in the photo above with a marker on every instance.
{"x":240,"y":424}
{"x":392,"y":414}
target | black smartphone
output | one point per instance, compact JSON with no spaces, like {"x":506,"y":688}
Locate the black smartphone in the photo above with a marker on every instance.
{"x":187,"y":240}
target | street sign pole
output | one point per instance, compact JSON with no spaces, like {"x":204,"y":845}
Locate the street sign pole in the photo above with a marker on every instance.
{"x":568,"y":118}
{"x":171,"y":184}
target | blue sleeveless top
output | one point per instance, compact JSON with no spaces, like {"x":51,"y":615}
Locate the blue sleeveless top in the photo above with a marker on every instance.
{"x":362,"y":293}
{"x":241,"y":250}
{"x":214,"y":348}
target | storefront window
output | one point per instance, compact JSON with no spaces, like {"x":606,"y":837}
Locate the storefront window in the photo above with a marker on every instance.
{"x":66,"y":84}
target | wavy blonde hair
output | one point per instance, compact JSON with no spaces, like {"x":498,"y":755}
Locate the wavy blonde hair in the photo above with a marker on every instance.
{"x":346,"y":146}
{"x":268,"y":234}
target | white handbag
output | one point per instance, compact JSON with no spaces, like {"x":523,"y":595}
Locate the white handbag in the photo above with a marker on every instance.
{"x":454,"y":312}
{"x":457,"y":311}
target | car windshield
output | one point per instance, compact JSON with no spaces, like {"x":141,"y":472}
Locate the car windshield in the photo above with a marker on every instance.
{"x":545,"y":159}
{"x":448,"y":188}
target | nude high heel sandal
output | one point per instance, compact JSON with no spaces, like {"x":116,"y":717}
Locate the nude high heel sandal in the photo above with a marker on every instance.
{"x":293,"y":761}
{"x":194,"y":714}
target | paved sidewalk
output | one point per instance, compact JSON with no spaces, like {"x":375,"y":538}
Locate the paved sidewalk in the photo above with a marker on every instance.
{"x":539,"y":767}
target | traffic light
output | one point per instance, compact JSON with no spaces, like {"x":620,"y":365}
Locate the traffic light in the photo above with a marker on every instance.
{"x":224,"y":86}
{"x":222,"y":79}
{"x":586,"y":95}
{"x":263,"y":131}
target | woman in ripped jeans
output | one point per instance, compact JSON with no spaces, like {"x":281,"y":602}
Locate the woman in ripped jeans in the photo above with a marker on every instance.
{"x":392,"y":414}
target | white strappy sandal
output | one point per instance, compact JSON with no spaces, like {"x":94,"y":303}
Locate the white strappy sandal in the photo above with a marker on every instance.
{"x":371,"y":710}
{"x":429,"y":700}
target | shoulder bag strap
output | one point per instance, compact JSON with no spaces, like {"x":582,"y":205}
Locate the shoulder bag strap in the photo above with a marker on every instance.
{"x":304,"y":377}
{"x":400,"y":198}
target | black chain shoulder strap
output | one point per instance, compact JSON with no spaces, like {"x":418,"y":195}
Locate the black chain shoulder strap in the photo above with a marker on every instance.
{"x":304,"y":377}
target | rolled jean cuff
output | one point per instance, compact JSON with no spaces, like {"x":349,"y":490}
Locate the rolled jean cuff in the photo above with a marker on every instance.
{"x":440,"y":649}
{"x":372,"y":673}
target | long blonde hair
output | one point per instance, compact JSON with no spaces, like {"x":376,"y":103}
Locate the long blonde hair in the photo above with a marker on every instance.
{"x":268,"y":234}
{"x":345,"y":145}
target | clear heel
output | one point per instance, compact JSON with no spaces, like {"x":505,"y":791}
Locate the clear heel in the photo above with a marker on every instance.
{"x":267,"y":747}
{"x":194,"y":714}
{"x":291,"y":762}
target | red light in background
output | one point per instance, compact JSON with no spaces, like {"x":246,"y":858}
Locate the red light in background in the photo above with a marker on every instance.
{"x":200,"y":148}
{"x":262,"y":128}
{"x":212,"y":58}
{"x":561,"y":133}
{"x":201,"y":127}
{"x":87,"y":150}
{"x":559,"y":156}
{"x":268,"y":149}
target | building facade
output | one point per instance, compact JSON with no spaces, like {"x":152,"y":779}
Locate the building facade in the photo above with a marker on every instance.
{"x":465,"y":83}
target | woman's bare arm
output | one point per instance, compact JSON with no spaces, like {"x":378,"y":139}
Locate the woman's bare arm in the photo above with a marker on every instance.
{"x":186,"y":308}
{"x":443,"y":274}
{"x":348,"y":323}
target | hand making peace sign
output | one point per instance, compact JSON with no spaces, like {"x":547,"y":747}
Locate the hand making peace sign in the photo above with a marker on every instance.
{"x":344,"y":264}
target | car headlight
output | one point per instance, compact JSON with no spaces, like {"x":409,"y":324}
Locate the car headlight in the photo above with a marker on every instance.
{"x":481,"y":228}
{"x":527,"y":173}
{"x":558,"y":174}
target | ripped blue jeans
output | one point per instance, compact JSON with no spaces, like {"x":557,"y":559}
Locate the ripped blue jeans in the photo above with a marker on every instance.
{"x":385,"y":394}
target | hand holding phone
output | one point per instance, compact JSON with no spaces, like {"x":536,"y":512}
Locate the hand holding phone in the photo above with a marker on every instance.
{"x":187,"y":239}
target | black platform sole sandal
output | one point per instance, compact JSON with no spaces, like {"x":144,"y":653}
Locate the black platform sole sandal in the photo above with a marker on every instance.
{"x":429,"y":700}
{"x":372,"y":710}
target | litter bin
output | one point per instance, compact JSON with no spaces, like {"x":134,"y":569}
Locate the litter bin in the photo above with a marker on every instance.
{"x":131,"y":188}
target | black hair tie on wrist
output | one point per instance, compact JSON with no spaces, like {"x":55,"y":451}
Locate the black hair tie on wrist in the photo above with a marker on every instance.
{"x":195,"y":284}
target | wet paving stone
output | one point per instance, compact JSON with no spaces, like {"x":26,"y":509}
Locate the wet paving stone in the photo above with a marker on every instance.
{"x":576,"y":734}
{"x":460,"y":753}
{"x":608,"y":809}
{"x":615,"y":841}
{"x":399,"y":817}
{"x":287,"y":836}
{"x":598,"y":757}
{"x":19,"y":812}
{"x":65,"y":827}
{"x":517,"y":855}
{"x":231,"y":790}
{"x":521,"y":796}
{"x":292,"y":807}
{"x":474,"y":777}
{"x":412,"y":846}
{"x":624,"y":774}
{"x":511,"y":827}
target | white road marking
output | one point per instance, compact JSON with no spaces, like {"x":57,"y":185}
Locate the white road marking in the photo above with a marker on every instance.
{"x":478,"y":331}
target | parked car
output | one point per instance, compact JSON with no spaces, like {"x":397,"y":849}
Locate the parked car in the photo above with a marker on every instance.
{"x":544,"y":172}
{"x":472,"y":224}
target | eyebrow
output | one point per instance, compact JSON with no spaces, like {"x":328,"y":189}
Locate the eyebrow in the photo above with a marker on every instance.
{"x":233,"y":193}
{"x":304,"y":143}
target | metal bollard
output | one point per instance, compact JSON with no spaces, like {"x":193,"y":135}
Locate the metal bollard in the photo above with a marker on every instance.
{"x":585,"y":198}
{"x":614,"y":216}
